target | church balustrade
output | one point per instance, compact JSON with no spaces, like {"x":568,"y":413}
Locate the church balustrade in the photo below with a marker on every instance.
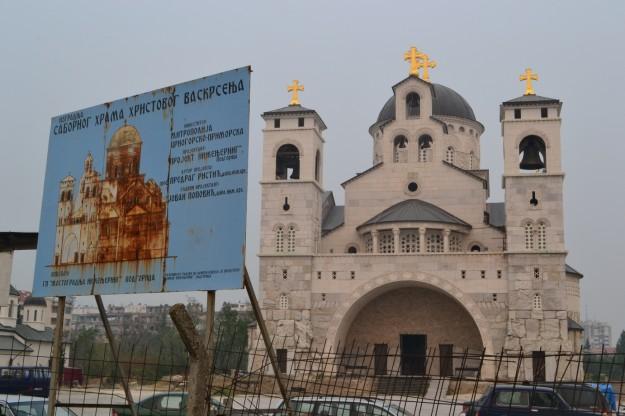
{"x":413,"y":238}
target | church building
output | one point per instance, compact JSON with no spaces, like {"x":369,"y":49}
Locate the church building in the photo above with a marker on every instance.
{"x":121,"y":217}
{"x":417,"y":261}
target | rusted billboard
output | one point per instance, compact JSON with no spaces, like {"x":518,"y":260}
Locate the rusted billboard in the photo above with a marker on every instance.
{"x":148,"y":193}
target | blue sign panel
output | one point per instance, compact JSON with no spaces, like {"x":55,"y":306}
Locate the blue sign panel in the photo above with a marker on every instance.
{"x":148,"y":193}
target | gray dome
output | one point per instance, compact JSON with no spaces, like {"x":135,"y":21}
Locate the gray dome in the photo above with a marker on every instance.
{"x":445,"y":102}
{"x":415,"y":210}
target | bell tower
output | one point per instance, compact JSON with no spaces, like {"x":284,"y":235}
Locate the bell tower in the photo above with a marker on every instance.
{"x":533,"y":183}
{"x":533,"y":175}
{"x":291,"y":210}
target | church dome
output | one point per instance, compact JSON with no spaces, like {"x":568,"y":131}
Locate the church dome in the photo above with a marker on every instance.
{"x":125,"y":136}
{"x":445,"y":102}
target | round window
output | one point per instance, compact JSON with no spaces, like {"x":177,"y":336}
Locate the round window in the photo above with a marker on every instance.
{"x":412,"y":187}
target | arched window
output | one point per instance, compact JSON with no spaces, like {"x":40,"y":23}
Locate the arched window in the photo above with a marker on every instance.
{"x":434,"y":242}
{"x":413,"y":104}
{"x":352,"y":250}
{"x":290,"y":239}
{"x":541,"y":236}
{"x":280,"y":239}
{"x":283,"y":302}
{"x":399,"y":149}
{"x":35,"y":318}
{"x":532,"y":154}
{"x":369,"y":243}
{"x":287,"y":162}
{"x":475,"y":248}
{"x":425,"y":148}
{"x":538,"y":302}
{"x":450,"y":155}
{"x":409,"y":241}
{"x":317,"y":165}
{"x":387,"y":242}
{"x":455,"y":242}
{"x":529,"y":236}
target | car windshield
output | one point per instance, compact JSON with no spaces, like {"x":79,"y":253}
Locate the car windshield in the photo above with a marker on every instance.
{"x":36,"y":408}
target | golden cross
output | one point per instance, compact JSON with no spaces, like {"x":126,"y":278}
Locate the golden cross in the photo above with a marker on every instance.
{"x":426,"y":64}
{"x":528,"y":76}
{"x":413,"y":56}
{"x":295,"y":88}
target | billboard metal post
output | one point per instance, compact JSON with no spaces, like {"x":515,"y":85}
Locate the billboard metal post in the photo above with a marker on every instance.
{"x":57,"y":345}
{"x":109,"y":337}
{"x":265,"y":335}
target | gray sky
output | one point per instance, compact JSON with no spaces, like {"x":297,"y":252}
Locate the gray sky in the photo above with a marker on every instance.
{"x":55,"y":58}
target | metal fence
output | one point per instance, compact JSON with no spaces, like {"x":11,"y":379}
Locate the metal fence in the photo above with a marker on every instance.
{"x":437,"y":381}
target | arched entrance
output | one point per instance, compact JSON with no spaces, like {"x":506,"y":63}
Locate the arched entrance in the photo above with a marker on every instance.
{"x":401,"y":320}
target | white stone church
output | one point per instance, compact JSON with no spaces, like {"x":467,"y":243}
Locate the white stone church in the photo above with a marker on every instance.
{"x":417,"y":260}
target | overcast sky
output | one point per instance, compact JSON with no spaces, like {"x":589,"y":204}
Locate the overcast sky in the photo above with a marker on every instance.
{"x":59,"y":57}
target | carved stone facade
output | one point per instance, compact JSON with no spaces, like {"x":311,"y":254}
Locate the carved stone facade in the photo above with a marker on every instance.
{"x":417,"y":250}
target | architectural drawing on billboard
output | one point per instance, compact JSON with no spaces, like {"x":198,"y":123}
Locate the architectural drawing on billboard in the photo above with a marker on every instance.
{"x":119,"y":218}
{"x":148,"y":193}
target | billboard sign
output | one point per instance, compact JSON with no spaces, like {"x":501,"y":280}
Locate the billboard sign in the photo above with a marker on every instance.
{"x":148,"y":193}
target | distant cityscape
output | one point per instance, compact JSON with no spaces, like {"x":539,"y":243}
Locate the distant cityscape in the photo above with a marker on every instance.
{"x":598,"y":336}
{"x":27,"y":323}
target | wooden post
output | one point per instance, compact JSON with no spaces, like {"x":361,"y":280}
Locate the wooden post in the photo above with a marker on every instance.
{"x":208,"y":343}
{"x":57,"y":345}
{"x":109,"y":337}
{"x":265,"y":335}
{"x":200,"y":360}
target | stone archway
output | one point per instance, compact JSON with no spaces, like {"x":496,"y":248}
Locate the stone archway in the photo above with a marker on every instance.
{"x":349,"y":310}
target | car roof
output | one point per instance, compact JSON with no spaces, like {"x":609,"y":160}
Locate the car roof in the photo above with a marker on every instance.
{"x":338,"y":399}
{"x":523,"y":387}
{"x":579,"y":386}
{"x":11,"y":398}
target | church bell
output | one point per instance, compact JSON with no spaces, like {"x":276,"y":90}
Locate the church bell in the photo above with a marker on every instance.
{"x":531,"y":156}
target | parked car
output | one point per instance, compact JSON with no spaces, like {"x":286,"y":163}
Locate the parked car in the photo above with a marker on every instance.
{"x":20,"y":405}
{"x":518,"y":400}
{"x":33,"y":381}
{"x":342,"y":406}
{"x":164,"y":404}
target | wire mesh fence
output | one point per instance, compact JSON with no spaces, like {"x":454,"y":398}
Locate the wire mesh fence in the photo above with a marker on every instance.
{"x":335,"y":381}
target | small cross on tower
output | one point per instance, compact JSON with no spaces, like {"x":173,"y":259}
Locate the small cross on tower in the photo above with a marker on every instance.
{"x":295,"y":88}
{"x":528,"y":76}
{"x":426,"y":64}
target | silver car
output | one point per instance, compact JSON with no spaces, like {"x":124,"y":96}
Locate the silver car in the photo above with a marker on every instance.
{"x":20,"y":405}
{"x":343,"y":406}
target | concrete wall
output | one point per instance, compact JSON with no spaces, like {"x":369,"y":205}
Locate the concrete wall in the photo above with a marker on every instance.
{"x":6,"y":264}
